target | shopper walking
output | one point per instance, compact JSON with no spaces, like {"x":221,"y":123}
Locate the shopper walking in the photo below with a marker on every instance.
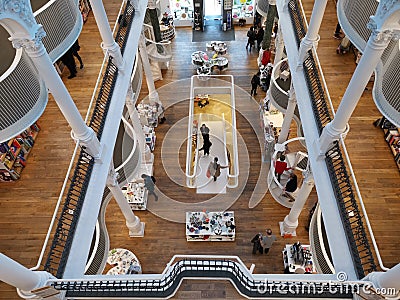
{"x":256,"y":240}
{"x":259,"y":37}
{"x":291,"y":184}
{"x":280,"y":167}
{"x":205,"y":132}
{"x":75,"y":48}
{"x":149,"y":183}
{"x":251,"y":35}
{"x":69,"y":61}
{"x":206,"y":147}
{"x":255,"y":82}
{"x":214,"y":168}
{"x":268,"y":240}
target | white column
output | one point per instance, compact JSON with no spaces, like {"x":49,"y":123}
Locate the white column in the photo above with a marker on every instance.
{"x":387,"y":280}
{"x":136,"y":228}
{"x":291,"y":106}
{"x":377,"y":43}
{"x":135,"y":121}
{"x":37,"y":52}
{"x":108,"y":43}
{"x":279,"y":45}
{"x":291,"y":221}
{"x":312,"y":36}
{"x":15,"y":274}
{"x":153,"y":95}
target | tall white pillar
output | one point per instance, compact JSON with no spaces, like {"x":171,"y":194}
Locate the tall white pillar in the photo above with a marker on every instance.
{"x":15,"y":274}
{"x":291,"y":221}
{"x":153,"y":95}
{"x":136,"y":228}
{"x":37,"y":52}
{"x":291,"y":106}
{"x":377,"y":43}
{"x":386,"y":280}
{"x":279,"y":45}
{"x":137,"y":126}
{"x":312,"y":36}
{"x":108,"y":43}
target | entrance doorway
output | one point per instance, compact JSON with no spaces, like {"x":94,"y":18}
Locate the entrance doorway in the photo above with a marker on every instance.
{"x":213,"y":11}
{"x":213,"y":7}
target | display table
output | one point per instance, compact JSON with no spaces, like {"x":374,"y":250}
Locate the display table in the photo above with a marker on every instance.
{"x":148,"y":114}
{"x":297,"y":258}
{"x":199,"y":58}
{"x":124,"y":261}
{"x":136,"y":194}
{"x":218,"y":47}
{"x":210,"y":226}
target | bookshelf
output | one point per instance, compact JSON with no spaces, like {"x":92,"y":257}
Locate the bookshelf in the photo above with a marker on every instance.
{"x":14,"y":153}
{"x":392,"y":137}
{"x":85,"y":8}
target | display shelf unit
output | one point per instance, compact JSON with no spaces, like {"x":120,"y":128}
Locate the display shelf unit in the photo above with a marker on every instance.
{"x":136,"y":194}
{"x":271,"y":122}
{"x":13,"y":153}
{"x":148,"y":114}
{"x":297,"y":258}
{"x":392,"y":137}
{"x":210,"y":226}
{"x":150,"y":136}
{"x":167,"y":32}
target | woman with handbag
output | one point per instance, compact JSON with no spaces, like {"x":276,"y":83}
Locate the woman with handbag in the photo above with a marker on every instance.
{"x":214,"y":168}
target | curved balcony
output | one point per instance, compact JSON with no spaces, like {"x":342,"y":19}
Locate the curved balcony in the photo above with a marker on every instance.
{"x":158,"y":51}
{"x":353,"y":16}
{"x":23,"y":97}
{"x":62,"y":22}
{"x":23,"y":94}
{"x":319,"y":244}
{"x":279,"y":91}
{"x":262,"y":7}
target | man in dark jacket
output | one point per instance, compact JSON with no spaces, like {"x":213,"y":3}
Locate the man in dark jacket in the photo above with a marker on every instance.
{"x":69,"y":61}
{"x":75,"y":48}
{"x":255,"y":82}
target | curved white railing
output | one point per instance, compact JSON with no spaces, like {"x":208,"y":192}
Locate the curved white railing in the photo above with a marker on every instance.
{"x":77,"y":146}
{"x":191,"y":174}
{"x":357,"y":190}
{"x":233,"y":179}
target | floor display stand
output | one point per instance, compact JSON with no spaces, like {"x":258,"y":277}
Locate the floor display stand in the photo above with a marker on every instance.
{"x":297,"y":258}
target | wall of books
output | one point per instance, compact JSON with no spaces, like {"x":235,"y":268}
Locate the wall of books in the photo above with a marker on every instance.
{"x":14,"y":153}
{"x":392,"y":137}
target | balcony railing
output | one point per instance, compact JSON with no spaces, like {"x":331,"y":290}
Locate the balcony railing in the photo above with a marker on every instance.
{"x":353,"y":223}
{"x":218,"y":268}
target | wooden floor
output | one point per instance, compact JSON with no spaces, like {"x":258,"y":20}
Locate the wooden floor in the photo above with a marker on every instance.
{"x":26,"y":206}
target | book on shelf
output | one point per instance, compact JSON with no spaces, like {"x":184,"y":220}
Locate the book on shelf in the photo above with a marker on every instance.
{"x":14,"y":152}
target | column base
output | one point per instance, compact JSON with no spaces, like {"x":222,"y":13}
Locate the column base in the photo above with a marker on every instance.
{"x":285,"y":232}
{"x":139,"y":232}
